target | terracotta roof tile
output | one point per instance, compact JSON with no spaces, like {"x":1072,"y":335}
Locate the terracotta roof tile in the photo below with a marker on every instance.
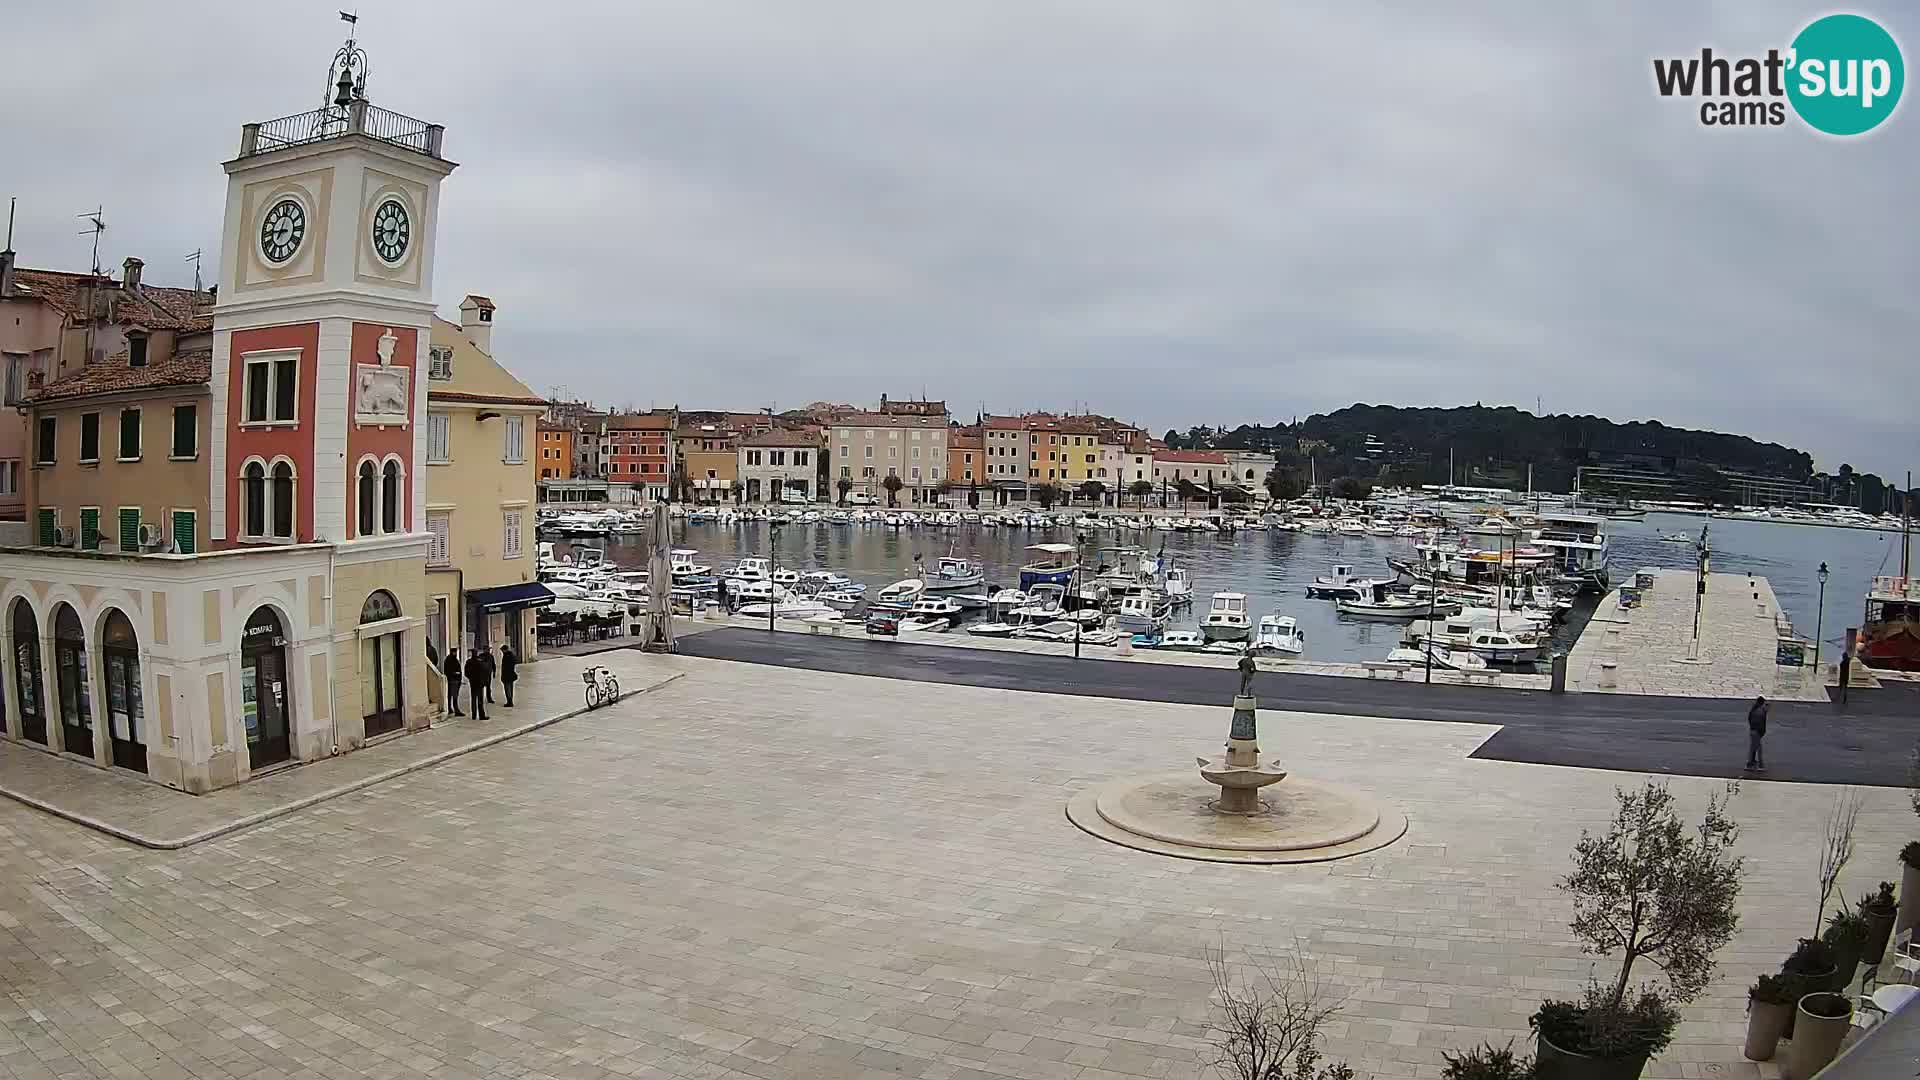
{"x":114,"y":377}
{"x":881,"y":420}
{"x":781,"y":438}
{"x":483,"y":399}
{"x":153,"y":307}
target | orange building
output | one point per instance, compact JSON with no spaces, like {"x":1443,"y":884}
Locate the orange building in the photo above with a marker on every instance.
{"x":966,"y":460}
{"x":556,"y":451}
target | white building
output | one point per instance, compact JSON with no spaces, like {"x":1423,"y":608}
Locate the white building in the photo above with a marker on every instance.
{"x":777,"y":463}
{"x":866,"y":448}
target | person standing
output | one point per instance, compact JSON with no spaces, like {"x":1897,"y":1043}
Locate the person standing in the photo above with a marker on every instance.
{"x":1756,"y":734}
{"x":450,"y":667}
{"x":509,"y":670}
{"x":486,"y":657}
{"x":476,"y":679}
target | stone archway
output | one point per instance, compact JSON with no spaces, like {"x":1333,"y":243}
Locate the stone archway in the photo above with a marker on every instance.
{"x":29,"y":684}
{"x":126,"y":707}
{"x":70,"y":679}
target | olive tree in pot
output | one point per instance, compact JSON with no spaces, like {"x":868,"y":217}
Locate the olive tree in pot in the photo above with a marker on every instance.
{"x":1823,"y":1020}
{"x":1652,"y":887}
{"x":1486,"y":1063}
{"x":1770,"y":1004}
{"x":1878,"y":909}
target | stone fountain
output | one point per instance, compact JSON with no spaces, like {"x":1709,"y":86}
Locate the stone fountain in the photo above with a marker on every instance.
{"x":1297,"y":820}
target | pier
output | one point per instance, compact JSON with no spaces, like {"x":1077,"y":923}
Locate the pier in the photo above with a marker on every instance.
{"x":1650,"y":649}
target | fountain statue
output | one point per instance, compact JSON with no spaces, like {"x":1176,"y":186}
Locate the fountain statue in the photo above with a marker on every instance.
{"x":1239,"y":774}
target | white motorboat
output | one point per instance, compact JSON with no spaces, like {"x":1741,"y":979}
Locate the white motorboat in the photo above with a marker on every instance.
{"x":952,"y":572}
{"x":1380,"y":604}
{"x":1279,"y":634}
{"x":1182,"y":641}
{"x":1051,"y":630}
{"x":756,"y":592}
{"x":1142,"y":613}
{"x":828,"y":579}
{"x":1005,"y":600}
{"x":1227,"y":618}
{"x":993,"y":628}
{"x":1179,"y":586}
{"x":1342,"y":584}
{"x":792,"y":607}
{"x":925,"y":624}
{"x":841,"y":599}
{"x":1504,"y":647}
{"x":789,"y":578}
{"x":1044,"y":601}
{"x":747,"y":571}
{"x":901,"y":593}
{"x":1443,"y":659}
{"x":681,"y":564}
{"x":1677,"y":538}
{"x":943,"y":607}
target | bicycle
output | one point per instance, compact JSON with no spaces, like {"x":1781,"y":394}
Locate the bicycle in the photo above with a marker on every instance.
{"x":603,"y":688}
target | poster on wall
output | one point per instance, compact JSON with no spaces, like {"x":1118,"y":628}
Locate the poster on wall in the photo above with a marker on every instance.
{"x":250,"y":701}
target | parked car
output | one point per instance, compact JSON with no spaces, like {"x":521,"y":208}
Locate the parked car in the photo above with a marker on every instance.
{"x":859,"y":498}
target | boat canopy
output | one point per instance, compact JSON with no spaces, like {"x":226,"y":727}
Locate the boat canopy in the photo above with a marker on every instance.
{"x":1053,"y":549}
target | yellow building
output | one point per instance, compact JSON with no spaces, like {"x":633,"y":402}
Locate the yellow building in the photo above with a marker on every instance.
{"x":481,"y":469}
{"x":706,"y":453}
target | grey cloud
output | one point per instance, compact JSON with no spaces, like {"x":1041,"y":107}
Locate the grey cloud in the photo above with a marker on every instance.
{"x":1184,"y":213}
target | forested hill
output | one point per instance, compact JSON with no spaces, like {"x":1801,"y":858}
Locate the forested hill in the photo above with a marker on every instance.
{"x":1496,"y":445}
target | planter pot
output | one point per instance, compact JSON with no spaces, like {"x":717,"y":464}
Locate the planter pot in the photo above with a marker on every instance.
{"x":1843,"y":974}
{"x":1553,"y":1063}
{"x":1766,"y":1026}
{"x":1879,"y":932}
{"x":1909,"y":898}
{"x":1819,"y":980}
{"x":1816,"y":1038}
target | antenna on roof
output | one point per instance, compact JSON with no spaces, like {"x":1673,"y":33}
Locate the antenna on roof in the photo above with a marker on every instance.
{"x":12,"y":202}
{"x":98,"y":224}
{"x":194,"y":258}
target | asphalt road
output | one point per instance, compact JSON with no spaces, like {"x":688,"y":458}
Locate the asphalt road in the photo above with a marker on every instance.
{"x":1870,"y":741}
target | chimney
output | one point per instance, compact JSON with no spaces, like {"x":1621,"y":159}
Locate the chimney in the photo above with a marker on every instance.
{"x":6,"y":272}
{"x":130,"y":274}
{"x":476,"y":321}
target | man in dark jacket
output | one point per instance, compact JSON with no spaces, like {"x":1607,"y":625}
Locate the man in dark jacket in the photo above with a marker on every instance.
{"x":450,"y":667}
{"x":477,"y":676}
{"x":486,"y":657}
{"x":509,"y":670}
{"x":1756,"y":733}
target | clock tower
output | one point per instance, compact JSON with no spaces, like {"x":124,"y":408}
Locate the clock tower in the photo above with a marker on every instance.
{"x":320,"y":332}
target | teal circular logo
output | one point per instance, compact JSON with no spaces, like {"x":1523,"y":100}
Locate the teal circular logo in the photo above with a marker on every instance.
{"x":1845,"y":74}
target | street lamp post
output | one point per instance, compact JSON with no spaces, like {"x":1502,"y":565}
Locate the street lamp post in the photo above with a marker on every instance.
{"x":773,"y":566}
{"x":1819,"y":618}
{"x":1433,"y":591}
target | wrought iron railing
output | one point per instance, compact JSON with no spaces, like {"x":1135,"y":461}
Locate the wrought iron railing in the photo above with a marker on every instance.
{"x":332,"y":122}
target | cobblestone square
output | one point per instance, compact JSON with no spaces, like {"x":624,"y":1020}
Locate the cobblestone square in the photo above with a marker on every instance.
{"x":763,"y":872}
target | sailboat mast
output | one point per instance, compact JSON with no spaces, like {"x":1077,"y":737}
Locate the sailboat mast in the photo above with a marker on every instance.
{"x":1906,"y":523}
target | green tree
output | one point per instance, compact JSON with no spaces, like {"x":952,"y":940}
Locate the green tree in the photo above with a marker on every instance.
{"x":1140,"y":489}
{"x":1348,"y":487}
{"x":843,"y":485}
{"x":1234,"y":495}
{"x":739,"y":492}
{"x":1046,"y":494}
{"x":1172,"y":439}
{"x":893,"y":484}
{"x":1283,"y":484}
{"x":1093,"y":490}
{"x":1189,"y":491}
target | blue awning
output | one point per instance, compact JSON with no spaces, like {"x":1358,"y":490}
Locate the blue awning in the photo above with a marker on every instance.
{"x":525,"y":594}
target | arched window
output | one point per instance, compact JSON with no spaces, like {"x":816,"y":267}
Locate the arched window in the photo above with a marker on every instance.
{"x":253,"y":499}
{"x":265,"y":699}
{"x":366,"y":495}
{"x":380,"y":666}
{"x":390,"y":498}
{"x":126,"y":712}
{"x":283,"y":500}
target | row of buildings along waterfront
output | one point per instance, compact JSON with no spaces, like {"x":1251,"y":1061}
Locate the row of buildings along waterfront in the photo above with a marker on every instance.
{"x":240,"y":526}
{"x":827,"y":452}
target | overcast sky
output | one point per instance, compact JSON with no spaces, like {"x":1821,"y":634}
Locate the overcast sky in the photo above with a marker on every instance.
{"x":1179,"y":212}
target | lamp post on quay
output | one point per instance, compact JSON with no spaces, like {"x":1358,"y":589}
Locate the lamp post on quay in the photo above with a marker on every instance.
{"x":1819,"y":617}
{"x":773,"y":565}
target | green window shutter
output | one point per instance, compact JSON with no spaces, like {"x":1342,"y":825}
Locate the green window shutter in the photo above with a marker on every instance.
{"x":130,"y":529}
{"x":183,"y":531}
{"x":48,"y":519}
{"x":89,"y":530}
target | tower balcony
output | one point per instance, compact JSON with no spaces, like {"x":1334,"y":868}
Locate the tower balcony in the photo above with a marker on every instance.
{"x":337,"y":122}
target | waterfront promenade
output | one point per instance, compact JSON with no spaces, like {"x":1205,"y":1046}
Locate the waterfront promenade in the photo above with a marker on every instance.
{"x":766,"y":872}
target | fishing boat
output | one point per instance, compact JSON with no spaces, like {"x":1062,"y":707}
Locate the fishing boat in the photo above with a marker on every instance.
{"x":1279,"y":634}
{"x":1179,"y":586}
{"x":1053,"y":564}
{"x":943,"y":607}
{"x":1142,"y":613}
{"x":681,"y":564}
{"x":953,"y":572}
{"x":1443,"y":659}
{"x":1226,"y":618}
{"x":1578,"y":546}
{"x":929,"y":617}
{"x":901,"y":593}
{"x":1380,"y":604}
{"x":1178,"y":641}
{"x":1890,"y":631}
{"x":1504,"y":647}
{"x":1342,"y":584}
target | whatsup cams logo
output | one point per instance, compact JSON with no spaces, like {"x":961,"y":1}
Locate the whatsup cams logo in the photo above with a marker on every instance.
{"x":1842,"y":75}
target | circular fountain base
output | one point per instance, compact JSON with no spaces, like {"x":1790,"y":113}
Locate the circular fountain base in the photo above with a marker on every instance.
{"x":1302,"y":820}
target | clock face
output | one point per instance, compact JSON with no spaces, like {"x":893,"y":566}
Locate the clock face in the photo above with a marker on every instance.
{"x":391,"y":231}
{"x":282,"y":230}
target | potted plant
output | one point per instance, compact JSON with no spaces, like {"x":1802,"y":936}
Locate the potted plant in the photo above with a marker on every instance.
{"x":1816,"y":962}
{"x":1909,"y":886}
{"x":1878,"y":908}
{"x":1650,"y":886}
{"x":1486,"y":1063}
{"x":1823,"y":1020}
{"x":1770,"y":1004}
{"x":1847,"y":933}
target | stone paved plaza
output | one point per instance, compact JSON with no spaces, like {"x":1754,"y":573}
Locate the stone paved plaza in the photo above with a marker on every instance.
{"x":762,"y":872}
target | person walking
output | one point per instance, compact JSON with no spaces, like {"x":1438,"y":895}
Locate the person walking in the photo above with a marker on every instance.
{"x":450,"y":667}
{"x":476,"y":680}
{"x":1756,"y":734}
{"x":509,"y":671}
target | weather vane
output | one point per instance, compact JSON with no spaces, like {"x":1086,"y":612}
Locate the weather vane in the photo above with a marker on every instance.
{"x":347,"y":75}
